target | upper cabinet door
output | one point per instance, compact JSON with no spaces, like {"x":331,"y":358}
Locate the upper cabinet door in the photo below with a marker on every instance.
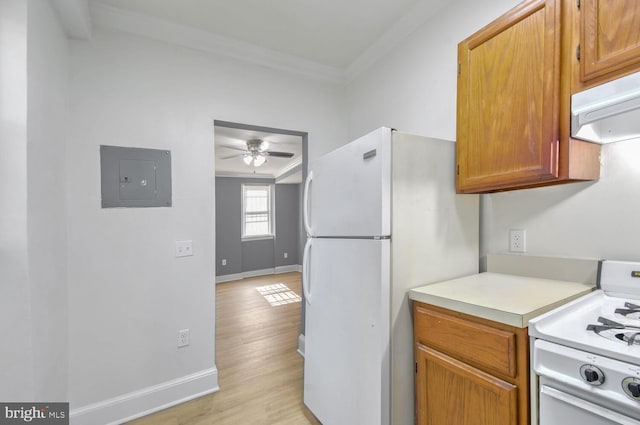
{"x":609,"y":39}
{"x":514,"y":88}
{"x":509,"y":100}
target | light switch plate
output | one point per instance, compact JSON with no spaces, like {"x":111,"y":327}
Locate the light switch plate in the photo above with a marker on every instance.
{"x":184,"y":248}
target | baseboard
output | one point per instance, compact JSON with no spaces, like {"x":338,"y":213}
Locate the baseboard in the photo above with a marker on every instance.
{"x":289,"y":269}
{"x":301,"y":344}
{"x":256,"y":273}
{"x":229,"y":277}
{"x":149,"y":400}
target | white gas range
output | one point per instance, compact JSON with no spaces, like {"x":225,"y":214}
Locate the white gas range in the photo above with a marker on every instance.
{"x":587,"y":354}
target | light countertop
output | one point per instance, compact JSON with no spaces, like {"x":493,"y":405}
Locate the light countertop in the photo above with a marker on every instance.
{"x":503,"y":298}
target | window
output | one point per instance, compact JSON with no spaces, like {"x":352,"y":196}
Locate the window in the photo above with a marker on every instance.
{"x":257,"y":211}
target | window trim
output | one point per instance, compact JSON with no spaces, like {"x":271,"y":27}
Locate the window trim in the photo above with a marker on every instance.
{"x":270,"y":212}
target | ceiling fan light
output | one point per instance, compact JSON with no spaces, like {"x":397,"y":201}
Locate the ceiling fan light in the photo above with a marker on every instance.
{"x":259,"y":160}
{"x":247,"y":159}
{"x":264,"y":145}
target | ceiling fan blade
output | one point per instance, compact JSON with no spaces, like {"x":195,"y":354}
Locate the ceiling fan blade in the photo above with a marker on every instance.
{"x":232,"y":156}
{"x":284,"y":143}
{"x":233,"y":147}
{"x":279,"y":154}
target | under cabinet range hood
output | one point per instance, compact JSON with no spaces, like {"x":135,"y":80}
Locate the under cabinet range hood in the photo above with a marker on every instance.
{"x":609,"y":112}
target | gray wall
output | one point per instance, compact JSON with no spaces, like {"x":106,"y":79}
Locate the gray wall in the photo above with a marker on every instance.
{"x":259,"y":254}
{"x":288,"y":218}
{"x":256,"y":255}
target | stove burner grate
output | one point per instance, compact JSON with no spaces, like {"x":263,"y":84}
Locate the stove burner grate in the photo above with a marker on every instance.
{"x":632,"y":306}
{"x":616,"y":331}
{"x":628,"y":313}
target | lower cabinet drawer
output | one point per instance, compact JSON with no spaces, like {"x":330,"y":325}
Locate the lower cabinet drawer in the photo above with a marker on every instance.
{"x":489,"y":348}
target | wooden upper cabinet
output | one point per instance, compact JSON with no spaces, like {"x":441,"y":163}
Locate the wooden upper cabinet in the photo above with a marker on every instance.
{"x":508,"y":99}
{"x":609,"y":40}
{"x":513,"y":104}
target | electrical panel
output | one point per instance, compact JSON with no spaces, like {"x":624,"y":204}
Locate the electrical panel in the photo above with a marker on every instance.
{"x":135,"y":177}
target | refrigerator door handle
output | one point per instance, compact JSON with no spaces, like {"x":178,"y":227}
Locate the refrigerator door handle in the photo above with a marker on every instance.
{"x":305,"y":204}
{"x":305,"y":271}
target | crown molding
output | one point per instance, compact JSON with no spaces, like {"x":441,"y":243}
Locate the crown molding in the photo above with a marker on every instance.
{"x":158,"y":29}
{"x":74,"y":17}
{"x":393,"y":36}
{"x":245,"y":175}
{"x":78,"y":17}
{"x":294,"y":167}
{"x":291,"y":174}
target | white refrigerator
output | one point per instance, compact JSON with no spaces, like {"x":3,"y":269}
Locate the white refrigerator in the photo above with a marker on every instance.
{"x":382,"y":217}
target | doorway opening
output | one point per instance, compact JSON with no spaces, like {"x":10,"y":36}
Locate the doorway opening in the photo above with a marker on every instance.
{"x":259,"y":242}
{"x":259,"y":173}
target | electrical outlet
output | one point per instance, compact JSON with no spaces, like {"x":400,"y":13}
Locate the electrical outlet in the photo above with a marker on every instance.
{"x":517,"y":240}
{"x":184,"y":248}
{"x":286,"y":255}
{"x":224,"y":261}
{"x":183,"y":338}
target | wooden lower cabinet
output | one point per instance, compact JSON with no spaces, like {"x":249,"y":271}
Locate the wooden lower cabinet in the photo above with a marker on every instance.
{"x":469,"y":370}
{"x":452,"y":392}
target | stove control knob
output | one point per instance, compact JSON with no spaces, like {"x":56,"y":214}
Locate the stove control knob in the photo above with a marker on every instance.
{"x":631,"y":387}
{"x":592,"y":374}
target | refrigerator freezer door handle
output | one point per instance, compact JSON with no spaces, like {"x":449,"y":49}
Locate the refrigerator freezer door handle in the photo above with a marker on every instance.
{"x":370,"y":154}
{"x":305,"y":271}
{"x":305,"y":204}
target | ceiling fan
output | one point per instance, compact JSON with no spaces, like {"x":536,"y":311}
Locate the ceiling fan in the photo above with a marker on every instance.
{"x":256,"y":153}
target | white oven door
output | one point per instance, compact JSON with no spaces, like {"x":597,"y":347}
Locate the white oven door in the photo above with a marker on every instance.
{"x":560,"y":408}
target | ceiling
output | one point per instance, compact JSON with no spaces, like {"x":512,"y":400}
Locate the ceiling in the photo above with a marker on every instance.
{"x":328,"y":32}
{"x":327,"y":39}
{"x":230,"y":142}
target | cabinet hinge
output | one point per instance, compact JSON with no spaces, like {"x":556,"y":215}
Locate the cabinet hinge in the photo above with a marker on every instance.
{"x":457,"y":169}
{"x":459,"y":68}
{"x":416,"y":367}
{"x":578,"y":52}
{"x":578,"y":4}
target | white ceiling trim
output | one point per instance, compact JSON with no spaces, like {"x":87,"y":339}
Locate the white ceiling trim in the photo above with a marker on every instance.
{"x":74,"y":17}
{"x":159,"y":29}
{"x":290,"y":169}
{"x":244,"y":175}
{"x":397,"y":32}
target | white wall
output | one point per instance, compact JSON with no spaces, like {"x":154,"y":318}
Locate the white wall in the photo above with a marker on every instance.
{"x":592,"y":220}
{"x":33,"y":86}
{"x":16,"y":354}
{"x":414,"y":89}
{"x":128,"y":295}
{"x":48,"y":75}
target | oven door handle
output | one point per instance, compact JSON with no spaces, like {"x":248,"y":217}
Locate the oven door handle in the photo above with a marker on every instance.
{"x":587,"y":406}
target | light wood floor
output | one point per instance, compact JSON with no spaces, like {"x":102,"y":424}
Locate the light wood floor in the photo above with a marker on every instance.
{"x":260,"y":372}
